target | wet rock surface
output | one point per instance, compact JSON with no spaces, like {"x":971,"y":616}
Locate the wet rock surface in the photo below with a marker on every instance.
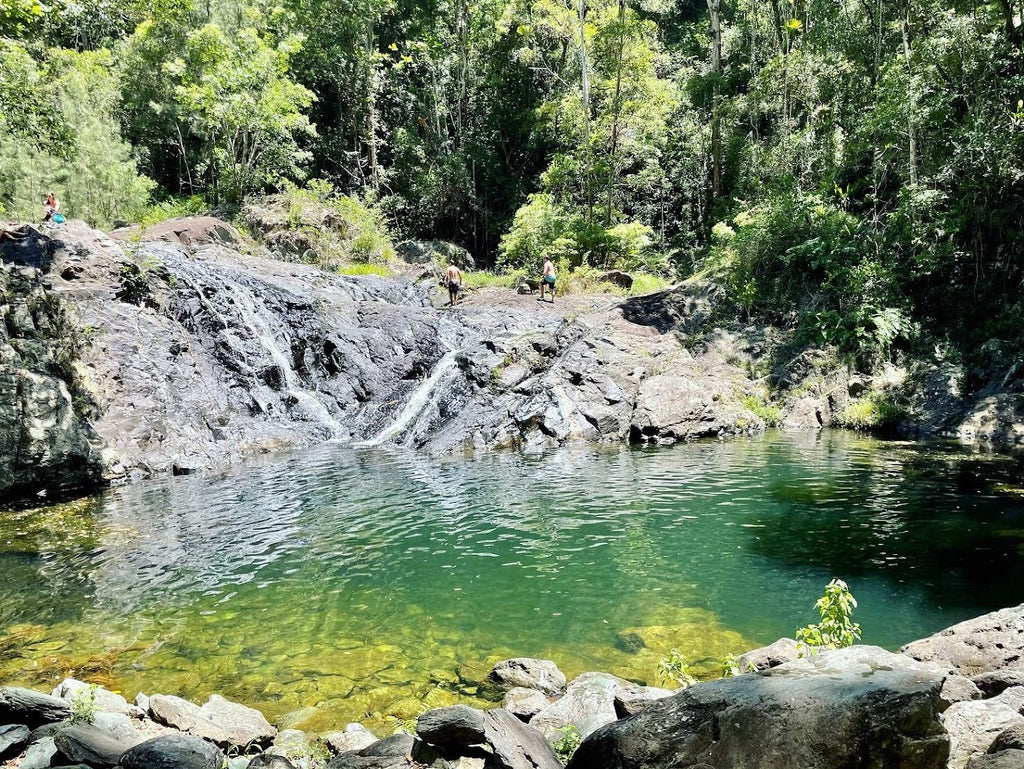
{"x":176,"y":350}
{"x":193,"y":354}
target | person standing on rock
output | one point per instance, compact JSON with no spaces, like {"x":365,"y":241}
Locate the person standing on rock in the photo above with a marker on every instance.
{"x":454,"y":278}
{"x":547,"y":280}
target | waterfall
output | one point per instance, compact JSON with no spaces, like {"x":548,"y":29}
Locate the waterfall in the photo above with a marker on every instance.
{"x":261,"y":330}
{"x":266,"y":329}
{"x":424,"y":395}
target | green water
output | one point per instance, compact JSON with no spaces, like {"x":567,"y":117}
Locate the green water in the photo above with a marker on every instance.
{"x":343,"y":584}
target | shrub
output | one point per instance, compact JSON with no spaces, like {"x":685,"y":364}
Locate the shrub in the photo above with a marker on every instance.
{"x":836,"y":628}
{"x":317,"y":225}
{"x":674,"y":669}
{"x":566,"y":745}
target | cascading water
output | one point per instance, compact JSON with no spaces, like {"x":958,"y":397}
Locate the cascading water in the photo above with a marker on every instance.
{"x":427,"y":394}
{"x":268,"y":331}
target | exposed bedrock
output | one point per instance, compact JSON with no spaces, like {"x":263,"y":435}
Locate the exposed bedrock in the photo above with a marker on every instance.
{"x":181,"y":354}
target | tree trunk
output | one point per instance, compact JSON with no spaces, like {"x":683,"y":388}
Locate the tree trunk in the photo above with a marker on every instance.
{"x":616,"y":110}
{"x":714,"y":6}
{"x":581,"y":8}
{"x":1012,"y":30}
{"x":462,"y":36}
{"x":911,"y":93}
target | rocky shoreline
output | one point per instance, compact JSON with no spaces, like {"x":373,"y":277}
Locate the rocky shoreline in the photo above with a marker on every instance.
{"x":954,"y":700}
{"x":184,"y":348}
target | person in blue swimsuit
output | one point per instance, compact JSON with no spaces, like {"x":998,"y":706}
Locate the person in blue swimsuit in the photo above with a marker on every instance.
{"x":547,"y":280}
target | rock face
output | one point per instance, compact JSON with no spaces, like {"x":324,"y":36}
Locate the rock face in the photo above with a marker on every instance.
{"x":43,"y":440}
{"x":185,"y":353}
{"x":855,"y":707}
{"x":992,"y":642}
{"x":180,"y":351}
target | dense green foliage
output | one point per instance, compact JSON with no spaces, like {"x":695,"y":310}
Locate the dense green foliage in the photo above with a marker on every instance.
{"x":852,"y":169}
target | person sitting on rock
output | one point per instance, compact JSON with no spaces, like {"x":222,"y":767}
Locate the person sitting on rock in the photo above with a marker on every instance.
{"x":50,"y":206}
{"x":454,"y":278}
{"x":547,"y":280}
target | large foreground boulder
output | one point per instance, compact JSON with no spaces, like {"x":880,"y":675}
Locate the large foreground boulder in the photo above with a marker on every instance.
{"x":852,"y":708}
{"x":991,"y":642}
{"x":173,"y":751}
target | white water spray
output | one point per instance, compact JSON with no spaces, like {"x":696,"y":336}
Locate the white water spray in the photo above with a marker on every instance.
{"x":424,"y":395}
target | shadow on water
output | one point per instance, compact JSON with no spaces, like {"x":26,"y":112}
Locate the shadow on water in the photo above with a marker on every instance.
{"x":945,"y":519}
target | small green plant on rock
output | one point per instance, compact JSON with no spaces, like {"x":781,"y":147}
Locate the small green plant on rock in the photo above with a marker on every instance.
{"x":566,"y":745}
{"x":83,"y":706}
{"x":673,"y":669}
{"x":837,"y":628}
{"x":730,"y":666}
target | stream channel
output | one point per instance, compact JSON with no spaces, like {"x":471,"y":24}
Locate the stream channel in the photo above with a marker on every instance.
{"x":368,"y":584}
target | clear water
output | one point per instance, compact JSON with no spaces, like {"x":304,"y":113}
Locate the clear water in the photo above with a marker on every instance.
{"x":366,"y":584}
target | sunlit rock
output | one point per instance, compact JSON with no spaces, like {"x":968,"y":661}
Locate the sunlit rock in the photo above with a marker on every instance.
{"x":530,"y":673}
{"x":853,"y":707}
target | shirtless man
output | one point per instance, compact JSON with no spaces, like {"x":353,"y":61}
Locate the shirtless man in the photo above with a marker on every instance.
{"x":547,"y":280}
{"x":454,"y":278}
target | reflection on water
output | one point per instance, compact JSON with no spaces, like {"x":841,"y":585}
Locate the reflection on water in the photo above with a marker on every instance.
{"x":345,"y":584}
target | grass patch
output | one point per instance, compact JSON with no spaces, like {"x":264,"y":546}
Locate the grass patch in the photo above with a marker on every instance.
{"x":481,"y":279}
{"x":645,"y":283}
{"x":362,"y":268}
{"x":770,"y":415}
{"x":875,"y":411}
{"x":173,"y":208}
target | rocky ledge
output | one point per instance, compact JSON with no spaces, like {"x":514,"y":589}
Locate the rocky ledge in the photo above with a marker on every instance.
{"x":124,"y":358}
{"x":181,"y":348}
{"x":845,"y":709}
